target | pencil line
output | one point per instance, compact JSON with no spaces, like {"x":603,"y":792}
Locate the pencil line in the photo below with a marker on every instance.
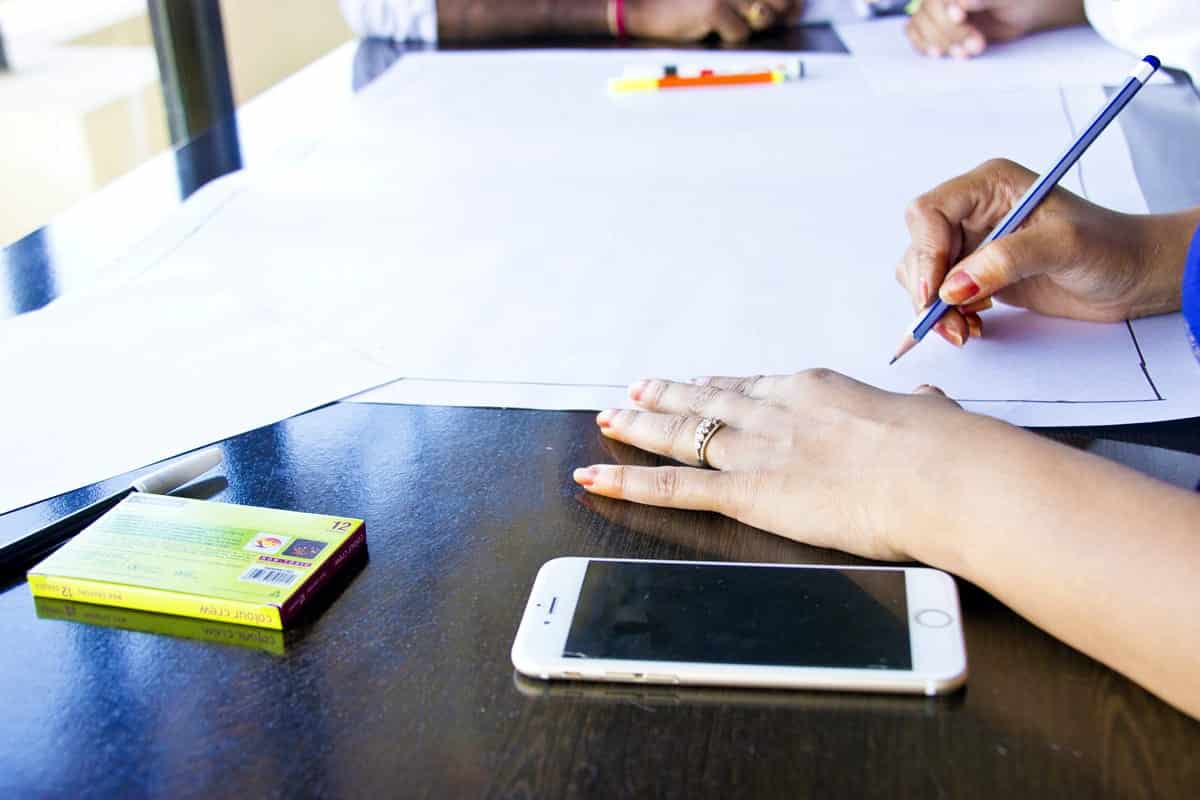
{"x":1142,"y":359}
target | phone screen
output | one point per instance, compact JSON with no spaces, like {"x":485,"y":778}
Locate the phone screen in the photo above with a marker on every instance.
{"x":726,"y":614}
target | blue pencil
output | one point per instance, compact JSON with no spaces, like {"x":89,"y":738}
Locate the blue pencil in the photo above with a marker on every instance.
{"x":1041,"y":187}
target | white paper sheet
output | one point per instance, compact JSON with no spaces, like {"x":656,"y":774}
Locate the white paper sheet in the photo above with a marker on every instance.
{"x":151,"y":369}
{"x":501,"y":231}
{"x":730,"y":235}
{"x":1075,"y":56}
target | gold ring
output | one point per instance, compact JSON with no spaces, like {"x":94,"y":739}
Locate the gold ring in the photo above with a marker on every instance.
{"x":705,"y":431}
{"x":758,"y":15}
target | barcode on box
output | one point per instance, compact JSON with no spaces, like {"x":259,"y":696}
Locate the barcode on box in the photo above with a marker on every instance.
{"x":269,"y":576}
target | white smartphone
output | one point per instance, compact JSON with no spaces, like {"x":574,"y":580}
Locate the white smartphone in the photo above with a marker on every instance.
{"x":885,"y":629}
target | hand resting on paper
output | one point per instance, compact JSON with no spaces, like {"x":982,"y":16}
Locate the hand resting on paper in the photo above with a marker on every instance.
{"x":965,"y":28}
{"x":1071,"y":258}
{"x":1051,"y":531}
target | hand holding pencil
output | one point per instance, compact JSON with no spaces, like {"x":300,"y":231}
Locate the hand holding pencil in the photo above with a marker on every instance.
{"x":1071,"y":258}
{"x":962,"y":284}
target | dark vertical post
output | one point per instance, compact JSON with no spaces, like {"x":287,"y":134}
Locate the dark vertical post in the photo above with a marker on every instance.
{"x":190,"y":43}
{"x":3,"y":57}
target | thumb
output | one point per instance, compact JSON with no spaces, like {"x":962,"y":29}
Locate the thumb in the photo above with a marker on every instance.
{"x":1006,"y":261}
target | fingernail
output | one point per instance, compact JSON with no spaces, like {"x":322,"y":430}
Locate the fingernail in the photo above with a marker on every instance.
{"x":604,"y":418}
{"x":959,"y":288}
{"x":957,"y":338}
{"x":637,"y":389}
{"x":974,"y":45}
{"x":585,"y":476}
{"x":923,"y":288}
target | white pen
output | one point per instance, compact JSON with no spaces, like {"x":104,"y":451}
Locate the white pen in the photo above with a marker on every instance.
{"x":29,"y":549}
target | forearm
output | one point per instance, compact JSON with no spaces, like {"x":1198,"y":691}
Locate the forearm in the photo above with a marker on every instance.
{"x":479,"y":20}
{"x":1104,"y":558}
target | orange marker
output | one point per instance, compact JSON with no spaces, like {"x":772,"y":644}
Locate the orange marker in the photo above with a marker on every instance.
{"x":672,"y":79}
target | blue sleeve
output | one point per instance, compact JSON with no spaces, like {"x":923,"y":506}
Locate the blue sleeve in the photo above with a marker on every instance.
{"x":1191,"y":294}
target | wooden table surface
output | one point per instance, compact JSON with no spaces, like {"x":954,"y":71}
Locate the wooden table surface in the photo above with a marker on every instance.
{"x":399,"y":683}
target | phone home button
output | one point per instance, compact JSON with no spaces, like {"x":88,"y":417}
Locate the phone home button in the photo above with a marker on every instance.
{"x":933,"y":618}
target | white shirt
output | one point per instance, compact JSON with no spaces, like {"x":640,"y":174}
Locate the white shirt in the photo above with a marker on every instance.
{"x":1169,"y":29}
{"x":401,"y":20}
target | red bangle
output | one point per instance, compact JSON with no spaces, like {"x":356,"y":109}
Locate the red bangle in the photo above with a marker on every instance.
{"x":616,"y":18}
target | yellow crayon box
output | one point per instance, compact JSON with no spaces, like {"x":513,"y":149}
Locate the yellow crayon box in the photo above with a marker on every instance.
{"x":193,"y":558}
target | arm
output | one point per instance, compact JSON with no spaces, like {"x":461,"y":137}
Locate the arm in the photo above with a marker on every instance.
{"x":481,"y":20}
{"x":675,"y":20}
{"x":1099,"y":556}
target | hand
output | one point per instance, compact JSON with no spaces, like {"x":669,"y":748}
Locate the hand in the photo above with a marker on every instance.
{"x":815,"y":457}
{"x":1071,"y":258}
{"x":692,"y":20}
{"x":964,"y":28}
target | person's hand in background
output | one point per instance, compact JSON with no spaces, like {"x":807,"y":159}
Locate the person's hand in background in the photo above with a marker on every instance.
{"x":1071,"y":258}
{"x":964,"y":28}
{"x":692,"y":20}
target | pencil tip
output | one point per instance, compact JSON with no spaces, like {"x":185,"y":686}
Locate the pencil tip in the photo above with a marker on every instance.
{"x":908,"y":344}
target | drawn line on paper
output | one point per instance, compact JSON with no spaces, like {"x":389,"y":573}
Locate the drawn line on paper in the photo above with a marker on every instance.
{"x":1142,"y":360}
{"x":1063,"y":402}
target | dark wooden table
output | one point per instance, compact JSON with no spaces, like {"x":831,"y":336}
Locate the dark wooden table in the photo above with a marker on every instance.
{"x":399,"y":682}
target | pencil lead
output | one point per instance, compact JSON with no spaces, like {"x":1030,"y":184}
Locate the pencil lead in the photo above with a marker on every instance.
{"x":907,"y":344}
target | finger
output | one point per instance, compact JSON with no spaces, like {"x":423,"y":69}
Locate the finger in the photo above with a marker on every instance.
{"x":974,"y":325}
{"x":916,"y":37}
{"x":954,"y":31}
{"x":759,"y":387}
{"x":1028,"y":252}
{"x":668,"y":487}
{"x":980,"y":305}
{"x":757,"y":13}
{"x":922,"y":27}
{"x":953,"y":328}
{"x":936,"y":244}
{"x":674,"y":436}
{"x":696,"y":400}
{"x":800,"y":389}
{"x":730,"y":25}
